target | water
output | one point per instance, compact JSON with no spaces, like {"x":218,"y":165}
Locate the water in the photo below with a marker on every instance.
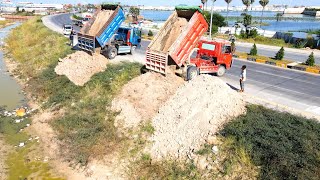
{"x":10,"y":90}
{"x":283,"y":26}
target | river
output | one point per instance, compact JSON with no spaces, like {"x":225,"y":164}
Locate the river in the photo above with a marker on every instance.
{"x":11,"y":95}
{"x":273,"y":25}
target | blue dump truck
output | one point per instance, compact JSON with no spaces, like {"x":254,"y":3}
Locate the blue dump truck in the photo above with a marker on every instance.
{"x":104,"y":33}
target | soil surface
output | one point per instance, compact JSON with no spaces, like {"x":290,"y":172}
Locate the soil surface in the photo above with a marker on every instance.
{"x":142,"y":97}
{"x":100,"y":20}
{"x":79,"y":67}
{"x":3,"y":154}
{"x":198,"y":109}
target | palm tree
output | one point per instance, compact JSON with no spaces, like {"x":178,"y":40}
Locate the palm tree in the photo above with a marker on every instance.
{"x":247,"y":3}
{"x":203,"y":2}
{"x":263,"y":3}
{"x":228,"y":2}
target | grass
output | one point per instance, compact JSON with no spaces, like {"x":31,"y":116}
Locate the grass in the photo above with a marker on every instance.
{"x":87,"y":126}
{"x":35,"y":51}
{"x":20,"y":164}
{"x":283,"y":145}
{"x":266,"y":41}
{"x":270,"y":59}
{"x":5,"y":23}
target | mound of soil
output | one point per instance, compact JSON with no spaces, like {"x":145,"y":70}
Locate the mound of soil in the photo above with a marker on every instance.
{"x":198,"y":109}
{"x":100,"y":20}
{"x":80,"y":66}
{"x":142,"y":97}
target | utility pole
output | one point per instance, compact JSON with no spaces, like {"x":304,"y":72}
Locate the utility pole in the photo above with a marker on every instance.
{"x":211,"y":18}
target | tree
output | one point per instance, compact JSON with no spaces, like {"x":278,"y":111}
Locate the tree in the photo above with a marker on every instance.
{"x":135,"y":12}
{"x":254,"y":51}
{"x":247,"y":3}
{"x":203,"y":2}
{"x":150,"y":33}
{"x":217,"y":20}
{"x":263,"y":3}
{"x":228,"y":2}
{"x":247,"y":20}
{"x":17,"y":9}
{"x":310,"y":60}
{"x":280,"y":54}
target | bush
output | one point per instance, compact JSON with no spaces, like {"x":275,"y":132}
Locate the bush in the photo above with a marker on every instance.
{"x":280,"y":54}
{"x":254,"y":51}
{"x":283,"y":145}
{"x":150,"y":33}
{"x":310,"y":60}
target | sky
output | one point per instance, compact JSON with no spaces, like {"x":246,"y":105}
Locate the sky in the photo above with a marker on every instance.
{"x":176,"y":2}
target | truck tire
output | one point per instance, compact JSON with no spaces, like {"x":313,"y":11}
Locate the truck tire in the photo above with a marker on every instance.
{"x":221,"y":70}
{"x":133,"y":50}
{"x":192,"y":72}
{"x":112,"y":52}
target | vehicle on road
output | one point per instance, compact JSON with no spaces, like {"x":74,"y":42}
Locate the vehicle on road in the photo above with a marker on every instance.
{"x":213,"y":57}
{"x":67,"y":29}
{"x":112,"y":38}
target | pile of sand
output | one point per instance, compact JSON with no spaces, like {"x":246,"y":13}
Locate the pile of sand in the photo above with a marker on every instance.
{"x":80,"y":66}
{"x":197,"y":110}
{"x":142,"y":97}
{"x":100,"y":19}
{"x":164,"y":43}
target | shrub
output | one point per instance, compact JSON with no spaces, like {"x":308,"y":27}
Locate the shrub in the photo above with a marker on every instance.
{"x":254,"y":50}
{"x":310,"y":60}
{"x":150,"y":33}
{"x":280,"y":54}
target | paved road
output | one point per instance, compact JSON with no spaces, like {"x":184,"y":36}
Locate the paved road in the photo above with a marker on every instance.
{"x":289,"y":88}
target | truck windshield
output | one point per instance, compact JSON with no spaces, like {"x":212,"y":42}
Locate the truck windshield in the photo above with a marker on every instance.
{"x":210,"y":47}
{"x":226,"y":49}
{"x":137,"y":32}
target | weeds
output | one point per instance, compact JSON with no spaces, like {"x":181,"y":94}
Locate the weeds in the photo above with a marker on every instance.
{"x":284,"y":145}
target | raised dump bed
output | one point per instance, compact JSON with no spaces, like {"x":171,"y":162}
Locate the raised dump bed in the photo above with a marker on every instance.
{"x":176,"y":39}
{"x":100,"y":30}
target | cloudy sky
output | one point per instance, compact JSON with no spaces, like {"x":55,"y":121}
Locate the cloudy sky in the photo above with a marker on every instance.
{"x":176,"y":2}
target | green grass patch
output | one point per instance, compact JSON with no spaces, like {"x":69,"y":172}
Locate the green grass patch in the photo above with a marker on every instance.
{"x":21,"y":166}
{"x":10,"y":130}
{"x":284,"y":145}
{"x":88,"y":126}
{"x":266,"y":41}
{"x":35,"y":47}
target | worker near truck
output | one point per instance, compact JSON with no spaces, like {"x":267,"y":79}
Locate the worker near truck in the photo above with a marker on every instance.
{"x":243,"y":77}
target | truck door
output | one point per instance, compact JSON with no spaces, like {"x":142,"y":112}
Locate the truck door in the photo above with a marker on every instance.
{"x":226,"y":56}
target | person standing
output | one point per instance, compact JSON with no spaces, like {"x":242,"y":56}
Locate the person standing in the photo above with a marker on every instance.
{"x":243,"y":77}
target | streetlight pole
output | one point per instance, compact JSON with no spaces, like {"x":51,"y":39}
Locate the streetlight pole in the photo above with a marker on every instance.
{"x":211,"y":18}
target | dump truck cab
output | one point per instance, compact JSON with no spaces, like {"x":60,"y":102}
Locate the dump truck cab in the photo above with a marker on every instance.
{"x":213,"y":56}
{"x":128,"y":35}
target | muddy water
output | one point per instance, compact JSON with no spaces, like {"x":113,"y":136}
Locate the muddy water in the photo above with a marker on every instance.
{"x":10,"y":91}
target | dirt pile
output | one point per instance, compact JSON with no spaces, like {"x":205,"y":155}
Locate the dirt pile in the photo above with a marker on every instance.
{"x":195,"y":112}
{"x":100,"y":19}
{"x":163,"y":44}
{"x":80,"y":66}
{"x":142,"y":97}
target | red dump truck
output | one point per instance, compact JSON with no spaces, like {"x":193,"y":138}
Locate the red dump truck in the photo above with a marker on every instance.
{"x":172,"y":47}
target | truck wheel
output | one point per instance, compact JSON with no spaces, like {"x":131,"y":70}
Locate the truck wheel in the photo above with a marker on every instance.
{"x":192,"y":72}
{"x":112,"y":53}
{"x":221,"y":71}
{"x":133,"y":50}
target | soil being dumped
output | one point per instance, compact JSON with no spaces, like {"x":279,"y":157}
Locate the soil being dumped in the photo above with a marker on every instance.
{"x":99,"y":21}
{"x":80,"y":66}
{"x":197,"y":110}
{"x":163,"y":44}
{"x":142,"y":97}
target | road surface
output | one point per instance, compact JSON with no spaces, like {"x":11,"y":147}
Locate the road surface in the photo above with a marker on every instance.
{"x":283,"y":87}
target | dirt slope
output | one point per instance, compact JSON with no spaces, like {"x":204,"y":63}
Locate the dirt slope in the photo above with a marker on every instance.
{"x":80,"y":66}
{"x":142,"y":97}
{"x":197,"y":110}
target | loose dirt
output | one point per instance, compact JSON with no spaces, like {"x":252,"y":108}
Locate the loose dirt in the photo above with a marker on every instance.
{"x":164,"y":43}
{"x":142,"y":97}
{"x":198,"y":109}
{"x":3,"y":154}
{"x":101,"y":19}
{"x":80,"y":66}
